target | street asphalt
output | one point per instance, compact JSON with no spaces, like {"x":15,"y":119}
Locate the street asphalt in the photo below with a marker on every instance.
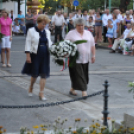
{"x":116,"y":68}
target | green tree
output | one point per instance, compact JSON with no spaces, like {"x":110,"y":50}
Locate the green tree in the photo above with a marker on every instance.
{"x":94,"y":4}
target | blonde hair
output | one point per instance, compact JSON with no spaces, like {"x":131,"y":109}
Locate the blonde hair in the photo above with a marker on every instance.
{"x":90,"y":11}
{"x":6,"y":11}
{"x":43,"y":17}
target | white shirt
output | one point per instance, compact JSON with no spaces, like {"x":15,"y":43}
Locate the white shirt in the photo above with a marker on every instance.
{"x":119,"y":17}
{"x":58,"y":20}
{"x":13,"y":18}
{"x":86,"y":18}
{"x":126,"y":32}
{"x":93,"y":17}
{"x":78,"y":15}
{"x":105,"y":19}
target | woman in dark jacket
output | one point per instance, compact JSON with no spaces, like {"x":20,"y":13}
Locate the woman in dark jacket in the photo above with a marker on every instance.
{"x":37,"y":46}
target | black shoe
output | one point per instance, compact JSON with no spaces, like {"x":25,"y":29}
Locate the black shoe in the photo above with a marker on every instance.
{"x":112,"y":51}
{"x":119,"y":51}
{"x":72,"y":93}
{"x":96,"y":46}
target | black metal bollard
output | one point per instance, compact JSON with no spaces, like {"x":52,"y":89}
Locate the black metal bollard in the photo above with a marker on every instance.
{"x":105,"y":110}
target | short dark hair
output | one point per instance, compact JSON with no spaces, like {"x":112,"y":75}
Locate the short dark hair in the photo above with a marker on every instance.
{"x":85,"y":10}
{"x":91,"y":17}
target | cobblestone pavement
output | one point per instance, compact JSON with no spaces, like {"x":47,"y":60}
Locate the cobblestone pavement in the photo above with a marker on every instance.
{"x":116,"y":68}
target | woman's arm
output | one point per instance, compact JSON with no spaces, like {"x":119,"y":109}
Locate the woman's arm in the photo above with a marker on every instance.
{"x":27,"y":18}
{"x":11,"y":32}
{"x":124,"y":22}
{"x":93,"y":54}
{"x":109,"y":25}
{"x":118,"y":24}
{"x":0,"y":28}
{"x":28,"y":58}
{"x":49,"y":38}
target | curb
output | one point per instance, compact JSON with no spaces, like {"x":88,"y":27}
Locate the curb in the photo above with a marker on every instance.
{"x":103,"y":47}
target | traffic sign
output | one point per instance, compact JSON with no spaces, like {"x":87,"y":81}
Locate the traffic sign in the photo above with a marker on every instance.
{"x":76,"y":3}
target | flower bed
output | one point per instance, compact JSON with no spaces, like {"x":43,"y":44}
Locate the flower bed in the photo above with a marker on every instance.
{"x":58,"y":128}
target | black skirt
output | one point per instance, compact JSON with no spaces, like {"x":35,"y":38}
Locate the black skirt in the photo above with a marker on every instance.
{"x":79,"y":76}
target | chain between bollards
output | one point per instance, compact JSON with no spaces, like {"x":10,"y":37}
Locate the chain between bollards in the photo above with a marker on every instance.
{"x":105,"y":110}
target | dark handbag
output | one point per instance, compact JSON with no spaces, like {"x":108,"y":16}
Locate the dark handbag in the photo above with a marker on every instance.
{"x":128,"y":39}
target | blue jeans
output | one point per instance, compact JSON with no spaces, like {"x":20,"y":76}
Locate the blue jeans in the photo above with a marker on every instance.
{"x":23,"y":28}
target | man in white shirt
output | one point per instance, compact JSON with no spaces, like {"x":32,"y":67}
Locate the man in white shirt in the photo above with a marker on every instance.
{"x":85,"y":17}
{"x":78,"y":15}
{"x":131,"y":14}
{"x":105,"y":19}
{"x":121,"y":40}
{"x":119,"y":16}
{"x":58,"y":22}
{"x":65,"y":25}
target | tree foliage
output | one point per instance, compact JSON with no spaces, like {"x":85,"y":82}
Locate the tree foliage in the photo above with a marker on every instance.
{"x":94,"y":4}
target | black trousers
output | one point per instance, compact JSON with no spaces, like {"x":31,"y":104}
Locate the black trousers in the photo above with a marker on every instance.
{"x":79,"y":76}
{"x":29,"y":25}
{"x":104,"y":33}
{"x":58,"y":31}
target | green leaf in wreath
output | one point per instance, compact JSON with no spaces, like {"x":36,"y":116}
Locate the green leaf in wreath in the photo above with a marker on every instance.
{"x":72,"y":59}
{"x":59,"y":62}
{"x":80,"y":42}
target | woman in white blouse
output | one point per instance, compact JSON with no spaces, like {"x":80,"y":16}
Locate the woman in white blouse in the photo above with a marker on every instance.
{"x":37,"y":45}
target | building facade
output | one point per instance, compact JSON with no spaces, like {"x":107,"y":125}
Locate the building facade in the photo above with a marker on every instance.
{"x":11,"y":5}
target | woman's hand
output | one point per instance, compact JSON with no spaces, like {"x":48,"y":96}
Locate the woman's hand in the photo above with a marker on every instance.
{"x":117,"y":31}
{"x":93,"y":59}
{"x":28,"y":59}
{"x":10,"y":39}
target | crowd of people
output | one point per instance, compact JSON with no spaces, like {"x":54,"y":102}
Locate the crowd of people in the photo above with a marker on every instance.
{"x":104,"y":26}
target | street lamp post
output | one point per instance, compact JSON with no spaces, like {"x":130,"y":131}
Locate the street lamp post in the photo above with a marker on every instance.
{"x":133,"y":4}
{"x":56,"y":4}
{"x":110,"y":5}
{"x":105,"y":4}
{"x":25,"y":8}
{"x":0,"y":4}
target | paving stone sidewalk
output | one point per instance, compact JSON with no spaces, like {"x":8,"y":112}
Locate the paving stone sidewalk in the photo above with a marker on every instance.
{"x":117,"y":69}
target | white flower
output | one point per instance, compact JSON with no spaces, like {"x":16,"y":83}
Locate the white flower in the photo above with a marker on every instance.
{"x":67,"y":41}
{"x":62,"y":54}
{"x":75,"y":48}
{"x":57,"y":47}
{"x":61,"y":44}
{"x":70,"y":48}
{"x":54,"y":124}
{"x":65,"y":53}
{"x":73,"y":53}
{"x":60,"y":50}
{"x":58,"y":54}
{"x":71,"y":44}
{"x":69,"y":52}
{"x":53,"y":48}
{"x":66,"y":48}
